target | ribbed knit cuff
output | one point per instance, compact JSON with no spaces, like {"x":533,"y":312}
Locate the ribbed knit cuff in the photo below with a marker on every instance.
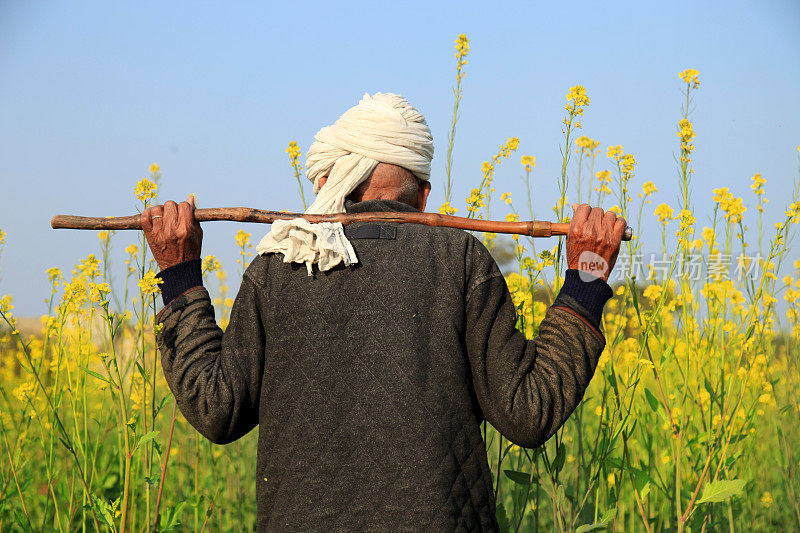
{"x":179,"y":279}
{"x":592,"y":294}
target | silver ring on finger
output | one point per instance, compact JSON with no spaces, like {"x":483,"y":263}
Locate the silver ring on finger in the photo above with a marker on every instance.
{"x":157,"y":216}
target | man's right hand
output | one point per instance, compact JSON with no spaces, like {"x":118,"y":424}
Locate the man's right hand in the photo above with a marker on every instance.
{"x":172,"y":232}
{"x":593,"y":240}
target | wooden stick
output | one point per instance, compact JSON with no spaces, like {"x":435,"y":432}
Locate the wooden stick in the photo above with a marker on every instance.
{"x":532,"y":228}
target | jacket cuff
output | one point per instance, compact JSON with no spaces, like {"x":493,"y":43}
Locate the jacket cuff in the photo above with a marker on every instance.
{"x":180,"y":278}
{"x":589,"y":291}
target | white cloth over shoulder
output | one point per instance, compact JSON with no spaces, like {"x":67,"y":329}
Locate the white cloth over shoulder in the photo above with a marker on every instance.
{"x":382,"y":128}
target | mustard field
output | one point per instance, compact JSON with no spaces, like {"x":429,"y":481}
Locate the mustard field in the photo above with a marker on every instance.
{"x":691,"y":422}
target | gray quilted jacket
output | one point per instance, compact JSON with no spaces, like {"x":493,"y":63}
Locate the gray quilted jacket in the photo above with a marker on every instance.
{"x":369,"y":383}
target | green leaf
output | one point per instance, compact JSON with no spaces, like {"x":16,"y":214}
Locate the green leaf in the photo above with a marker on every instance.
{"x":144,"y":439}
{"x":561,"y":455}
{"x":110,"y":481}
{"x":171,"y":519}
{"x":750,"y":331}
{"x":721,"y":490}
{"x":642,"y":480}
{"x":612,"y":379}
{"x":522,"y":478}
{"x":161,"y":404}
{"x":157,"y":446}
{"x":141,"y":370}
{"x":22,"y":520}
{"x":738,"y":437}
{"x":561,"y":497}
{"x":502,"y":518}
{"x":607,"y":517}
{"x":95,"y":374}
{"x":106,"y":511}
{"x":65,"y":444}
{"x":644,"y":491}
{"x":664,"y":355}
{"x":651,"y":399}
{"x":196,"y":500}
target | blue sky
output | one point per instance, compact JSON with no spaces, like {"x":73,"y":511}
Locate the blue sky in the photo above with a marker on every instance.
{"x":92,"y":93}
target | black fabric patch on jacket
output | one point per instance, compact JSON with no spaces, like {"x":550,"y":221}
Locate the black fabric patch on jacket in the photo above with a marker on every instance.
{"x":371,"y":231}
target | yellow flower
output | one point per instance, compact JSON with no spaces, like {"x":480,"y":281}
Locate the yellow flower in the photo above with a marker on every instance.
{"x":132,"y":249}
{"x":2,"y":237}
{"x":54,"y":273}
{"x":462,"y":49}
{"x":210,"y":264}
{"x":766,"y":499}
{"x":686,"y":131}
{"x":528,"y":161}
{"x":627,"y":163}
{"x":664,"y":213}
{"x":793,"y":213}
{"x":611,"y":479}
{"x":586,"y":145}
{"x":648,"y":187}
{"x":475,"y":200}
{"x":89,"y":266}
{"x":25,"y":391}
{"x":293,"y":151}
{"x":5,"y":304}
{"x":687,"y":219}
{"x":732,"y":207}
{"x":652,"y":292}
{"x":512,"y":217}
{"x":690,"y":76}
{"x":98,"y":292}
{"x":615,"y":152}
{"x":149,"y":283}
{"x":243,"y":238}
{"x":758,"y":184}
{"x":577,"y":95}
{"x":447,"y":209}
{"x":708,"y":235}
{"x":145,"y":190}
{"x":154,"y":168}
{"x":511,"y":145}
{"x":102,"y":235}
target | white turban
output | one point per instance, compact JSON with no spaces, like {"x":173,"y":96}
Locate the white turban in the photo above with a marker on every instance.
{"x":382,"y":128}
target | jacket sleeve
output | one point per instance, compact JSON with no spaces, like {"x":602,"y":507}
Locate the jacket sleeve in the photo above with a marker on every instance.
{"x":528,"y":388}
{"x":214,"y":376}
